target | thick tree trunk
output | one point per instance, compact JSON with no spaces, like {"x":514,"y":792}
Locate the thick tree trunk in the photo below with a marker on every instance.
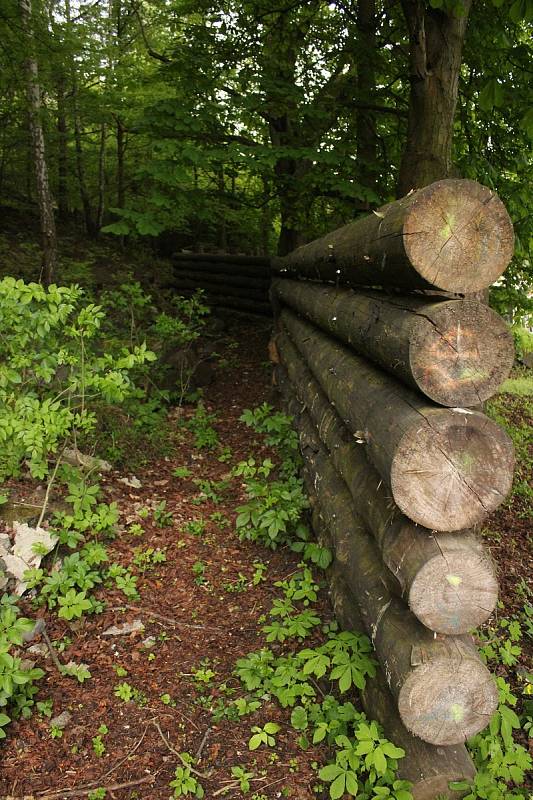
{"x":457,"y":352}
{"x":366,"y":86}
{"x":447,"y":468}
{"x":445,"y":694}
{"x":429,"y":769}
{"x":44,"y":196}
{"x":436,"y":45}
{"x":447,"y":579}
{"x":454,"y":235}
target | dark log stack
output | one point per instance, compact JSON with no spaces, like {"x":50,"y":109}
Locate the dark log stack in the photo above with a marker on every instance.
{"x":385,"y":391}
{"x":235,"y":282}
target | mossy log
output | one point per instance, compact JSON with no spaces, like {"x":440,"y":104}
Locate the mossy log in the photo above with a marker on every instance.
{"x":457,"y":352}
{"x":444,"y":693}
{"x":429,"y":768}
{"x":446,"y":467}
{"x":454,"y":235}
{"x":447,"y":579}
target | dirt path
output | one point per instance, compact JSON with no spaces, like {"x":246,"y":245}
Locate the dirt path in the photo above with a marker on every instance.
{"x":200,"y":610}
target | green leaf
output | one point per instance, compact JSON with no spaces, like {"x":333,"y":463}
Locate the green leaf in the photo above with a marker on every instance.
{"x":299,"y":718}
{"x":492,"y":95}
{"x":338,"y":786}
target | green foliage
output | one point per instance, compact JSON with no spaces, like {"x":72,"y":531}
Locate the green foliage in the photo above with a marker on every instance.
{"x":201,"y":424}
{"x":185,"y":781}
{"x":54,"y":380}
{"x":264,"y":735}
{"x":17,"y":684}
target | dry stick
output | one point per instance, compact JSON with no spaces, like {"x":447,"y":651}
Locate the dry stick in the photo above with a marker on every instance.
{"x":203,"y":743}
{"x":203,"y":775}
{"x":113,"y":788}
{"x":164,"y":619}
{"x":53,"y":655}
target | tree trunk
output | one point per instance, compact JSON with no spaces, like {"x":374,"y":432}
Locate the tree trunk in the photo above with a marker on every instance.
{"x":454,"y":235}
{"x":456,"y":352}
{"x":447,"y":468}
{"x":101,"y":177}
{"x":121,"y":149}
{"x":429,"y":769}
{"x":62,"y":152}
{"x":436,"y":44}
{"x":44,"y":197}
{"x":366,"y":140}
{"x":445,"y":694}
{"x":447,"y":579}
{"x":90,"y":225}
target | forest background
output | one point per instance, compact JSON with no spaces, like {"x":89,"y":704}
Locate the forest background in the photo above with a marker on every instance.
{"x":256,"y":126}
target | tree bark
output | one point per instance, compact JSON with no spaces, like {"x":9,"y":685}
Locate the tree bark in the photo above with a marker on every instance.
{"x":447,"y":468}
{"x":456,"y":352}
{"x":62,"y":151}
{"x":429,"y":769}
{"x":454,"y":235}
{"x":447,"y":579}
{"x":445,"y":694}
{"x":255,"y":264}
{"x":435,"y":52}
{"x":366,"y":139}
{"x":44,"y":196}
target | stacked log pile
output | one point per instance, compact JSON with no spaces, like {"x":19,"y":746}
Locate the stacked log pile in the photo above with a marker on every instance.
{"x":401,"y":465}
{"x":235,"y":282}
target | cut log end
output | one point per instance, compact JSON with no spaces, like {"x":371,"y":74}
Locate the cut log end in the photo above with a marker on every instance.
{"x":452,"y":470}
{"x":458,"y":236}
{"x":446,"y":702}
{"x":461,"y":354}
{"x":454,"y":593}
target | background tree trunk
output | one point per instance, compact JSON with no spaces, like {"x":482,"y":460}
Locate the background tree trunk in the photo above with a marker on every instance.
{"x":62,"y":154}
{"x":44,"y":196}
{"x":436,"y":46}
{"x":366,"y":86}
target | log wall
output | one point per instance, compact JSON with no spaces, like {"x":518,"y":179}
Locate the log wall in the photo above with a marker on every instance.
{"x":385,"y":387}
{"x":233,"y":282}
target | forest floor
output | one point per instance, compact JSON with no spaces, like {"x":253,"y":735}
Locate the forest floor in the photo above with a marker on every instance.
{"x":198,"y":612}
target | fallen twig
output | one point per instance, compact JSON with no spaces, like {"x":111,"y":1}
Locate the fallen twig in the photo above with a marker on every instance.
{"x":112,"y":788}
{"x":176,"y":753}
{"x":168,"y":620}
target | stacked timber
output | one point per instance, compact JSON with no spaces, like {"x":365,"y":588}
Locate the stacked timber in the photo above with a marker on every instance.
{"x":235,"y":282}
{"x":401,"y":465}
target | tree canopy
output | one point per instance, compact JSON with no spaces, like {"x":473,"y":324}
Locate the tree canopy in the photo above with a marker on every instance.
{"x":259,"y":125}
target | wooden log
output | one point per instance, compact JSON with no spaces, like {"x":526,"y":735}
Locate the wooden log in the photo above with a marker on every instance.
{"x":229,"y":302}
{"x":447,"y":579}
{"x":429,"y":768}
{"x":457,"y":352}
{"x":246,"y":271}
{"x":447,"y":468}
{"x":222,"y":258}
{"x":220,"y":289}
{"x":224,"y":279}
{"x":454,"y":235}
{"x":445,"y":694}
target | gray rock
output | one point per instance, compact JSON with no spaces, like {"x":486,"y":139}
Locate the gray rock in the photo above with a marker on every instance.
{"x":62,"y":720}
{"x":127,"y":627}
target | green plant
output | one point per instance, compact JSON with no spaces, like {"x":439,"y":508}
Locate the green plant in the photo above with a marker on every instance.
{"x":198,"y":569}
{"x":17,"y":683}
{"x":56,"y":732}
{"x":148,"y":558}
{"x":45,"y":707}
{"x":97,"y":794}
{"x":185,"y":781}
{"x":56,"y":377}
{"x":243,"y":777}
{"x":181,"y":472}
{"x":238,"y":585}
{"x":264,"y":735}
{"x":201,"y":425}
{"x":196,"y":527}
{"x":98,"y":744}
{"x":78,"y":671}
{"x":162,"y":517}
{"x":210,"y":490}
{"x":259,"y":573}
{"x":124,"y":691}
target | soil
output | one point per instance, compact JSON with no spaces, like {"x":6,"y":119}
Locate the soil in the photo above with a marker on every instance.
{"x":187,"y":624}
